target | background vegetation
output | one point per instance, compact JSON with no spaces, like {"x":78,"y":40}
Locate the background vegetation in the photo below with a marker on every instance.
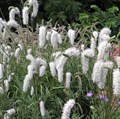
{"x":79,"y":13}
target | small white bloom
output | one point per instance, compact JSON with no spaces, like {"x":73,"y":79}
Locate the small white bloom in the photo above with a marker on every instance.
{"x":67,"y":109}
{"x":12,"y":13}
{"x":71,"y":36}
{"x":25,"y":15}
{"x":54,"y":39}
{"x":42,"y":36}
{"x":26,"y":83}
{"x":116,"y":82}
{"x":42,"y":108}
{"x":42,"y":71}
{"x":6,"y":84}
{"x":32,"y":91}
{"x":11,"y":111}
{"x":12,"y":23}
{"x":1,"y":71}
{"x":108,"y":65}
{"x":68,"y":80}
{"x":52,"y":68}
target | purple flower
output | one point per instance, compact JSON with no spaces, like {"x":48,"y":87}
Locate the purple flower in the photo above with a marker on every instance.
{"x":118,"y":102}
{"x":103,"y":98}
{"x":89,"y":94}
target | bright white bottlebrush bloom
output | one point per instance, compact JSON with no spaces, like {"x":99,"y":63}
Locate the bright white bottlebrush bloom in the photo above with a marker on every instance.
{"x":103,"y":50}
{"x":35,"y":5}
{"x":108,"y":65}
{"x":118,"y":61}
{"x":39,"y":61}
{"x":30,"y":69}
{"x":26,"y":83}
{"x":35,"y":8}
{"x":42,"y":108}
{"x":1,"y":71}
{"x":32,"y":91}
{"x":42,"y":36}
{"x":67,"y":109}
{"x":97,"y":71}
{"x":54,"y":39}
{"x":116,"y":82}
{"x":25,"y":15}
{"x":13,"y":12}
{"x":68,"y":80}
{"x":52,"y":68}
{"x":6,"y":85}
{"x":72,"y":52}
{"x":100,"y":71}
{"x":71,"y":36}
{"x":42,"y":71}
{"x":12,"y":23}
{"x":94,"y":40}
{"x":85,"y":55}
{"x":11,"y":111}
{"x":1,"y":90}
{"x":104,"y":34}
{"x":17,"y":54}
{"x":85,"y":63}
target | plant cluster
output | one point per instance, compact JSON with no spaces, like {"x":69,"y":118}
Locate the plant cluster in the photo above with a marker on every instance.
{"x":53,"y":73}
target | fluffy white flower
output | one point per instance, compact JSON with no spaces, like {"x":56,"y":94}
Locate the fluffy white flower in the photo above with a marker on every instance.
{"x":11,"y":111}
{"x":17,"y":54}
{"x":108,"y":65}
{"x":99,"y":74}
{"x":85,"y":63}
{"x":26,"y":83}
{"x":103,"y":50}
{"x":35,"y":8}
{"x":25,"y":15}
{"x":42,"y":71}
{"x":71,"y":36}
{"x":6,"y":84}
{"x":32,"y":91}
{"x":34,"y":4}
{"x":42,"y":36}
{"x":1,"y":71}
{"x":12,"y":23}
{"x":104,"y":34}
{"x":30,"y":69}
{"x":72,"y":52}
{"x":52,"y":68}
{"x":12,"y":13}
{"x":68,"y":80}
{"x":54,"y":39}
{"x":116,"y":82}
{"x":67,"y":109}
{"x":42,"y":108}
